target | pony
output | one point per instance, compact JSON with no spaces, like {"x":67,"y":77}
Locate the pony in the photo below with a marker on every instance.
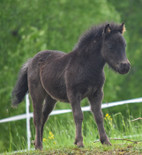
{"x":52,"y":76}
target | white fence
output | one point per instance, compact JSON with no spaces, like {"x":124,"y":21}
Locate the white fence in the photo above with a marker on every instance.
{"x":29,"y":115}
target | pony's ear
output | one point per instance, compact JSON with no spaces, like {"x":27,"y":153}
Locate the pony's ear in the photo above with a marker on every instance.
{"x":107,"y":29}
{"x":122,"y":28}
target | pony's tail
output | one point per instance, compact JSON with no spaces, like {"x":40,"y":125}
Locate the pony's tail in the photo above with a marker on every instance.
{"x":21,"y":87}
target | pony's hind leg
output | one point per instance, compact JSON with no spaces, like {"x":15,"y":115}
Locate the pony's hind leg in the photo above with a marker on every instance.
{"x":37,"y":95}
{"x":47,"y":109}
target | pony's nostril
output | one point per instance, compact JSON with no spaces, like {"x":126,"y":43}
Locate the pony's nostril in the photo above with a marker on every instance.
{"x":123,"y":65}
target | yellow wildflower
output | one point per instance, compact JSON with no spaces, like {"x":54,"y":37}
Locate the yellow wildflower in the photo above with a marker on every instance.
{"x":51,"y":135}
{"x":108,"y":117}
{"x":44,"y":139}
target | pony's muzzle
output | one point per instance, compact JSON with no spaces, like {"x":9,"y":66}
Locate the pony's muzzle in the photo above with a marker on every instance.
{"x":124,"y":67}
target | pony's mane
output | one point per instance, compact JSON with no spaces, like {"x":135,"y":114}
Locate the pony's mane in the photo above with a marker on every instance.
{"x":95,"y":33}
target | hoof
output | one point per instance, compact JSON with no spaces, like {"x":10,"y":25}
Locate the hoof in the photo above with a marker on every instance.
{"x":79,"y":144}
{"x":105,"y":141}
{"x":38,"y":147}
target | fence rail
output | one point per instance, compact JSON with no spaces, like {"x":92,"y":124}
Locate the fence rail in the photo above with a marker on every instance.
{"x":29,"y":115}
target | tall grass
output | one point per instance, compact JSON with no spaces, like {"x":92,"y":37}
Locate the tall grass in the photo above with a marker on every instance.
{"x":59,"y":131}
{"x":116,"y":127}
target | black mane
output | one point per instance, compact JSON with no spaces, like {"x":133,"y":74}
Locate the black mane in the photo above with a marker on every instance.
{"x":95,"y":33}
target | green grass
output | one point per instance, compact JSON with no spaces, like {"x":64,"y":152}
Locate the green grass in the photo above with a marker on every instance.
{"x":121,"y":147}
{"x":59,"y":135}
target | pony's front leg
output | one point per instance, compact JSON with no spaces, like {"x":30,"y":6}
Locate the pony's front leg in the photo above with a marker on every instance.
{"x":78,"y":118}
{"x":95,"y":101}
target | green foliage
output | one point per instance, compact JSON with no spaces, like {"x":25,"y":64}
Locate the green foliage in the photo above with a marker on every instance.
{"x":27,"y":27}
{"x":130,"y":12}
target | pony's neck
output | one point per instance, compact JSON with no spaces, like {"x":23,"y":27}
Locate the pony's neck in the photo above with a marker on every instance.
{"x":91,"y":55}
{"x":88,"y":48}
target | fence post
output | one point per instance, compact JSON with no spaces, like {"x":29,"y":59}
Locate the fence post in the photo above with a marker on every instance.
{"x":28,"y":122}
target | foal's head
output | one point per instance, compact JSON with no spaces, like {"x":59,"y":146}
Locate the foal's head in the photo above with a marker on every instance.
{"x":113,"y":48}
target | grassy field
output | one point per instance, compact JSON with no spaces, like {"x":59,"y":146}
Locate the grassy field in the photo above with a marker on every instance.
{"x":121,"y":148}
{"x":124,"y":133}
